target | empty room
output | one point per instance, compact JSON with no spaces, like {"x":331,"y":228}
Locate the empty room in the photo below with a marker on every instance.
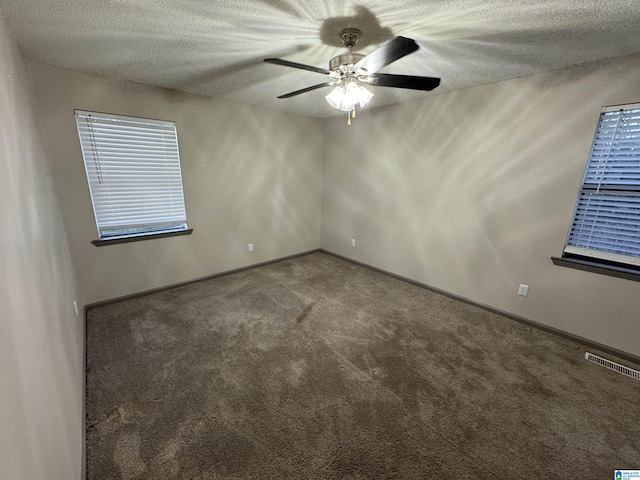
{"x":319,"y":240}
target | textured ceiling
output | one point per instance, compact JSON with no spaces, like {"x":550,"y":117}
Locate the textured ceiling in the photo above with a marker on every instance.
{"x":216,"y":47}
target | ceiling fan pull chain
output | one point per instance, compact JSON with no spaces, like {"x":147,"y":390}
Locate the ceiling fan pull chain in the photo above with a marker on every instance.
{"x":353,"y":112}
{"x":348,"y":119}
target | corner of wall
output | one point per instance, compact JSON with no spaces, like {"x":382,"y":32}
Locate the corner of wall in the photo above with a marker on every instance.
{"x":41,"y":337}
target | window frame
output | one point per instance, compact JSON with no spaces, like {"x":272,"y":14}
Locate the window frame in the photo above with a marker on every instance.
{"x":606,"y":263}
{"x":164,"y":208}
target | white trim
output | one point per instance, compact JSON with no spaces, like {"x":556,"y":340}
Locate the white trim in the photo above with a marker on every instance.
{"x":617,"y":108}
{"x":111,"y":116}
{"x":613,"y":257}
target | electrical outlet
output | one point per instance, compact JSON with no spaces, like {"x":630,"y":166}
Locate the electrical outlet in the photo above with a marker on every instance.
{"x":353,"y":242}
{"x":251,"y":247}
{"x":523,"y":290}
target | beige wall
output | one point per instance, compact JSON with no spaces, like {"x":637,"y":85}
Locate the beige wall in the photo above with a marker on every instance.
{"x":249,"y":174}
{"x":41,"y":338}
{"x":472,"y":192}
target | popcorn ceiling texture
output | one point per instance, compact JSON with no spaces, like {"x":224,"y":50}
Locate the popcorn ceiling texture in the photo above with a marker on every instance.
{"x":215,"y":48}
{"x":315,"y":368}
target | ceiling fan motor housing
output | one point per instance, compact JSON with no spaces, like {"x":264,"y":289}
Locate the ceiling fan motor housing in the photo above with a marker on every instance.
{"x":344,"y":63}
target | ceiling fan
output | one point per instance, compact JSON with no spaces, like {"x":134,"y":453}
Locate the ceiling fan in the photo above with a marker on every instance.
{"x":349,"y":71}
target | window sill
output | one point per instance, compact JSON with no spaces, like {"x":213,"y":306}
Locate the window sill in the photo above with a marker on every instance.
{"x":618,"y":271}
{"x":139,"y":238}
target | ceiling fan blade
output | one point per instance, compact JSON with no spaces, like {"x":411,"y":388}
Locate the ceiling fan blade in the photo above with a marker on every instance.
{"x":385,"y":54}
{"x":305,"y":90}
{"x":402,"y":81}
{"x":302,"y":66}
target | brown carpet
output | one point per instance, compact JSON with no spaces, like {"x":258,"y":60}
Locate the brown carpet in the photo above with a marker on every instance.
{"x":315,"y":368}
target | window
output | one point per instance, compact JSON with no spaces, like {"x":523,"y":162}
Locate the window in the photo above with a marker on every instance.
{"x":133,"y":170}
{"x":606,"y":221}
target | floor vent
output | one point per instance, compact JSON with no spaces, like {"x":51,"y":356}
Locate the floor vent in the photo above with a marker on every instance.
{"x":616,"y":367}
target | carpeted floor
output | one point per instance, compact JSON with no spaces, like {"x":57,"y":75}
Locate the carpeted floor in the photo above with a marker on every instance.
{"x":315,"y":368}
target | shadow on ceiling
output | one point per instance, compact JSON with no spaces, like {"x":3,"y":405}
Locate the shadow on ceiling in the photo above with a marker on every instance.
{"x":372,"y":32}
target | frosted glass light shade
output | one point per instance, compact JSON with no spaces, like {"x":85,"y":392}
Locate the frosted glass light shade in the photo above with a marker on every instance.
{"x":356,"y":93}
{"x":336,"y":99}
{"x":345,"y":98}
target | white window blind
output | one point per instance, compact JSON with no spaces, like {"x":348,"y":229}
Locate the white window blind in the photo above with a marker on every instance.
{"x":606,"y":220}
{"x":133,"y":170}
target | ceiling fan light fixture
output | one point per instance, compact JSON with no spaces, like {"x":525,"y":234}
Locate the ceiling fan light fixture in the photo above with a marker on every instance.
{"x":345,"y":97}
